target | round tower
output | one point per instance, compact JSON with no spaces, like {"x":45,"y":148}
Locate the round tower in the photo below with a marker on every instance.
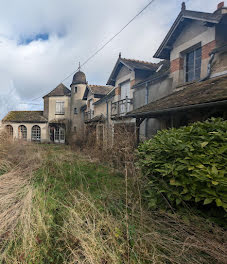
{"x":78,"y":88}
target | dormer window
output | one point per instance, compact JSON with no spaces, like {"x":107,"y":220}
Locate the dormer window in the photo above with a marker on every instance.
{"x":75,"y":89}
{"x":193,"y":61}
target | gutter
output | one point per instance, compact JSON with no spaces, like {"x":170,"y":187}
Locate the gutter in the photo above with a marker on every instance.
{"x":176,"y":109}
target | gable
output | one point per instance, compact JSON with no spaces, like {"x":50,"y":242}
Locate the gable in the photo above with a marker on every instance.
{"x":191,"y":30}
{"x":194,"y":33}
{"x":123,"y":72}
{"x":185,"y":16}
{"x":60,"y":90}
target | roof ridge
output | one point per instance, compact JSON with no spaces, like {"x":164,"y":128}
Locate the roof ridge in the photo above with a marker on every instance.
{"x":140,"y":61}
{"x":25,"y":111}
{"x":97,"y":85}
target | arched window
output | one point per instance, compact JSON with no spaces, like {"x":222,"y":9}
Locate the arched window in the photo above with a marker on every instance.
{"x":22,"y":132}
{"x":9,"y":130}
{"x":36,"y":133}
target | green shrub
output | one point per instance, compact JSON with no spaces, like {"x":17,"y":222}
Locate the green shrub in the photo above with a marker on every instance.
{"x":187,"y":164}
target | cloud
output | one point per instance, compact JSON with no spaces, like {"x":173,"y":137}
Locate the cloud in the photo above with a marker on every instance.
{"x":57,"y":34}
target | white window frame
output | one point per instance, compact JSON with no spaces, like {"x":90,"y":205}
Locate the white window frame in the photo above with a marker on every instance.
{"x":60,"y":108}
{"x":192,"y":49}
{"x":22,"y":132}
{"x":36,"y":133}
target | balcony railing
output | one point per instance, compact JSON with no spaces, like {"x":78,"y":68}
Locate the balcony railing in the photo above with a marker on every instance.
{"x":88,"y":115}
{"x":121,"y":107}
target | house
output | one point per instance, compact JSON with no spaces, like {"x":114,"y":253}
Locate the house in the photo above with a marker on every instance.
{"x":63,"y":115}
{"x":109,"y":112}
{"x":194,"y":86}
{"x":188,"y":84}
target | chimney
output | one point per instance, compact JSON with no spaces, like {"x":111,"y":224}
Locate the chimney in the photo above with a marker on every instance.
{"x":183,"y":6}
{"x":220,"y":5}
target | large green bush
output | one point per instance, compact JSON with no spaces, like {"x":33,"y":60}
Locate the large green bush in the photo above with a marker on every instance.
{"x":187,"y":164}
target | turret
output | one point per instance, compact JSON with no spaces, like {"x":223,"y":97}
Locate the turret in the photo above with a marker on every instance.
{"x":78,"y":88}
{"x":78,"y":85}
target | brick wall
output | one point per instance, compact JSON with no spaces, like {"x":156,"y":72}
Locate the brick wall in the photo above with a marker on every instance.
{"x":118,"y":90}
{"x":206,"y":49}
{"x":132,"y":83}
{"x":177,"y":64}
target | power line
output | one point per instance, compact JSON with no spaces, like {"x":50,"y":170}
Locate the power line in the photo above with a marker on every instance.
{"x":103,"y":46}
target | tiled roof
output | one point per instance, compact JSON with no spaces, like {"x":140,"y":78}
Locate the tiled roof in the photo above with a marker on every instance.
{"x":133,"y":65}
{"x":25,"y":117}
{"x":212,"y":90}
{"x":207,"y":17}
{"x":163,"y":72}
{"x":100,"y":89}
{"x":140,"y":65}
{"x":60,"y":90}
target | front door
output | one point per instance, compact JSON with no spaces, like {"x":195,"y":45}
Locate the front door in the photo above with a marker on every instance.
{"x":59,"y":135}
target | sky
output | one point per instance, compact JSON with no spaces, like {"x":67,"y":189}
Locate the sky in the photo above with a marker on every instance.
{"x":42,"y":42}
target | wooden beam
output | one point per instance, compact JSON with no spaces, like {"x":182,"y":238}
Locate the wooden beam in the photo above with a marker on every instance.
{"x":139,"y":121}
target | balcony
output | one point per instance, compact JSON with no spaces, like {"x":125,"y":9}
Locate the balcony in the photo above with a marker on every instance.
{"x":88,"y":115}
{"x":121,"y":107}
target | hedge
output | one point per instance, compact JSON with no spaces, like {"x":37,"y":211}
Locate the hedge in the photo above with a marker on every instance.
{"x":187,"y":164}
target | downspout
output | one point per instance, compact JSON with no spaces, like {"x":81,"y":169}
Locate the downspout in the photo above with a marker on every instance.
{"x":107,"y":121}
{"x":146,"y":101}
{"x":209,"y":68}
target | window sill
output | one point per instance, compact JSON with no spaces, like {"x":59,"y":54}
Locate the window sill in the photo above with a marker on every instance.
{"x":60,"y":114}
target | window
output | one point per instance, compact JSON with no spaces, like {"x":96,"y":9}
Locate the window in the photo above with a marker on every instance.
{"x":60,"y":108}
{"x":75,"y":111}
{"x":62,"y":134}
{"x":125,"y":95}
{"x":193,"y":65}
{"x":74,"y":129}
{"x":9,"y":131}
{"x":22,"y":132}
{"x":36,"y":133}
{"x":59,"y":135}
{"x":75,"y":90}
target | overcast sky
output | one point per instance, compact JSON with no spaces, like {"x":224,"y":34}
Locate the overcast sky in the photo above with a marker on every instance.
{"x":41,"y":42}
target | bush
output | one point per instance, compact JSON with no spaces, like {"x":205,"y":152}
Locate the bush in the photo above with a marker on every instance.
{"x":187,"y":164}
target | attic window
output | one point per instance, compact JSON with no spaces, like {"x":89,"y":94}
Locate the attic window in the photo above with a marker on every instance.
{"x":193,"y":61}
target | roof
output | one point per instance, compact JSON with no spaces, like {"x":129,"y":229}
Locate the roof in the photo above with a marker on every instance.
{"x":184,"y":16}
{"x":132,"y":65}
{"x":157,"y":75}
{"x":79,"y":78}
{"x":105,"y":98}
{"x":97,"y":90}
{"x":192,"y":95}
{"x":98,"y":118}
{"x":25,"y":117}
{"x":139,"y":65}
{"x":60,"y":90}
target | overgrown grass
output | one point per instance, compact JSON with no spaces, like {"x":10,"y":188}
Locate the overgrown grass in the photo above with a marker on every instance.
{"x":68,"y":209}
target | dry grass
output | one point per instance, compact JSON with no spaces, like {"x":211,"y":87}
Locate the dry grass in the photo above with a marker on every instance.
{"x":101,"y":237}
{"x":74,"y":211}
{"x":18,"y":161}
